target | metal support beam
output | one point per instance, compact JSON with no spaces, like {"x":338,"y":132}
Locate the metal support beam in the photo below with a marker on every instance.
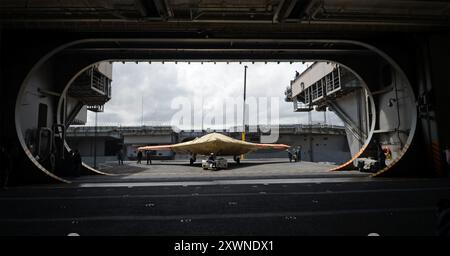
{"x":283,"y":10}
{"x":73,"y":114}
{"x":277,"y":12}
{"x":47,"y":92}
{"x":353,"y":128}
{"x":168,"y":9}
{"x":163,"y":8}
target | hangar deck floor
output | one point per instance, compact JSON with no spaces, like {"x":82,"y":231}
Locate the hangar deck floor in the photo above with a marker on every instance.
{"x":247,"y":169}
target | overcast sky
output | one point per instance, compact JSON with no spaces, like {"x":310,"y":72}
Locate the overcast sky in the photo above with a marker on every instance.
{"x":160,"y":84}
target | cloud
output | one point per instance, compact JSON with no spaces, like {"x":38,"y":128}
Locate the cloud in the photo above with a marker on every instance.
{"x":145,"y":91}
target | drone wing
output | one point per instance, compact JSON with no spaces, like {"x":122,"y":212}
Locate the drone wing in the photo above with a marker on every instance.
{"x":216,"y":143}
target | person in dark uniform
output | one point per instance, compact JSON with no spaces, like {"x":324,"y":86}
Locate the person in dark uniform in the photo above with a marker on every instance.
{"x":120,"y":157}
{"x":381,"y":157}
{"x":299,"y":153}
{"x":149,"y":157}
{"x":295,"y":154}
{"x":139,"y":157}
{"x":192,"y":159}
{"x":76,"y":159}
{"x":289,"y":155}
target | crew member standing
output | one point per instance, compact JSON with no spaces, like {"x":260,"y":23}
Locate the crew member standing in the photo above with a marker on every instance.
{"x":299,"y":153}
{"x":149,"y":157}
{"x":381,"y":157}
{"x":139,"y":157}
{"x":120,"y":157}
{"x":289,"y":155}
